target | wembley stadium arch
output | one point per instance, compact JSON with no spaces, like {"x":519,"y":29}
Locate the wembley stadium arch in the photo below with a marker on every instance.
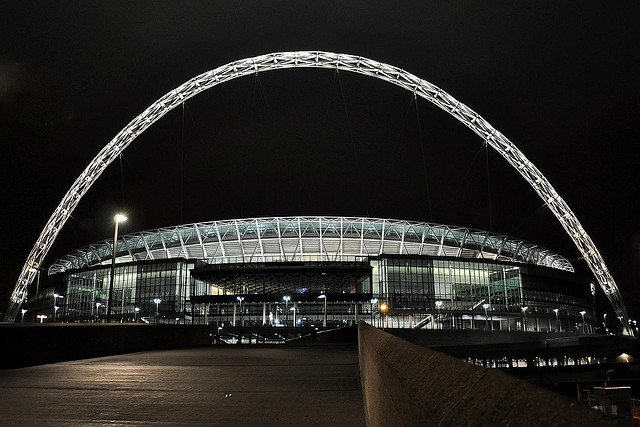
{"x":317,"y":59}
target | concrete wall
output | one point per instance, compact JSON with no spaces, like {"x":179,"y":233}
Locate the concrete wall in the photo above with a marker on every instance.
{"x":404,"y":384}
{"x":25,"y":345}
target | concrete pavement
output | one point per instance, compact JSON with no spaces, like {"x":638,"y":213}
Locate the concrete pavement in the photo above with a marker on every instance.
{"x":271,"y":385}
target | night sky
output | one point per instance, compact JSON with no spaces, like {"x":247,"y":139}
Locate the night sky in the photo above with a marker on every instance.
{"x":560,"y":81}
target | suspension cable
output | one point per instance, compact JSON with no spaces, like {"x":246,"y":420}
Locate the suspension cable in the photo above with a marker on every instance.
{"x":182,"y":162}
{"x":486,"y":150}
{"x":354,"y":144}
{"x":424,"y":158}
{"x":121,"y":179}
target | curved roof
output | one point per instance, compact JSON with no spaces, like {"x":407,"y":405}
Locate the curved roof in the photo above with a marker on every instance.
{"x":308,"y":239}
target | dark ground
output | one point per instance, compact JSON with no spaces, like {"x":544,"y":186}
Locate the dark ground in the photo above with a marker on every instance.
{"x":270,"y":386}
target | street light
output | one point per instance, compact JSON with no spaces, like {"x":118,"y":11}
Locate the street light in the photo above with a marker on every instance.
{"x":486,"y":316}
{"x":294,"y":309}
{"x":135,"y":314}
{"x":240,"y":299}
{"x":41,"y":317}
{"x":23,"y":311}
{"x":286,"y":299}
{"x":37,"y":270}
{"x":118,"y":218}
{"x":373,"y":301}
{"x":55,"y":307}
{"x":556,"y":311}
{"x":524,"y":317}
{"x":438,"y":306}
{"x":582,"y":313}
{"x":324,"y":320}
{"x":157,"y":301}
{"x":384,"y":307}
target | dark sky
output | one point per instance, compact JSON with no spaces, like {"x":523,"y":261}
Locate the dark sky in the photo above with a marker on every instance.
{"x":560,"y":79}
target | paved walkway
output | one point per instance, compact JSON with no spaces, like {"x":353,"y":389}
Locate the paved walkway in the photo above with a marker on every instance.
{"x":276,"y":386}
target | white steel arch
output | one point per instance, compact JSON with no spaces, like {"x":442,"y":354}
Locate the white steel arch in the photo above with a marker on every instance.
{"x":318,"y":59}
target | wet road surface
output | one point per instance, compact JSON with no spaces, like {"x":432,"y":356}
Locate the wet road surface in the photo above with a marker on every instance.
{"x":275,"y":385}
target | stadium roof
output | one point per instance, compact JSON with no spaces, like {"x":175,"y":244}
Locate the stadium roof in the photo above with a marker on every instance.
{"x":285,"y":239}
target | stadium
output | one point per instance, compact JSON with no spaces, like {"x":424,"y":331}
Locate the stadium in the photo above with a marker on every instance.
{"x":333,"y":270}
{"x":321,"y":271}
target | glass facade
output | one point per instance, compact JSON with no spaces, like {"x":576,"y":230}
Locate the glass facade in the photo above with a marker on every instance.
{"x":480,"y":294}
{"x":421,"y":292}
{"x":83,"y":294}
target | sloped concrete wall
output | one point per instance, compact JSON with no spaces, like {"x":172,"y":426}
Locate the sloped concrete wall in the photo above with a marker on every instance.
{"x":25,"y":345}
{"x":407,"y":385}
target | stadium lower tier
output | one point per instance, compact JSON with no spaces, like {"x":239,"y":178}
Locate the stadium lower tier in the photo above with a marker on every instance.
{"x":396,"y":291}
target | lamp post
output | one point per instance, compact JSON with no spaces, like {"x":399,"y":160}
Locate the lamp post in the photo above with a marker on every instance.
{"x":384,"y":307}
{"x":23,"y":311}
{"x":486,"y":316}
{"x":556,"y":311}
{"x":324,"y":319}
{"x":438,"y":306}
{"x":582,"y":313}
{"x":37,"y":270}
{"x":524,"y":317}
{"x":135,"y":314}
{"x":286,"y":299}
{"x":118,"y":218}
{"x":620,"y":318}
{"x":604,"y":323}
{"x":373,"y":301}
{"x":41,"y":317}
{"x":157,"y":301}
{"x":55,"y":307}
{"x":294,"y":309}
{"x":240,"y":299}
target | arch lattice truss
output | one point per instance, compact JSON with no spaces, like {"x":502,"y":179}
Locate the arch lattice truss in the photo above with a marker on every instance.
{"x":316,"y":59}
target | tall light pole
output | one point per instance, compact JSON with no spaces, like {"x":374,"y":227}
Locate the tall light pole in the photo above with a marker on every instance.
{"x":23,"y":311}
{"x":438,"y":305}
{"x":38,"y":270}
{"x":324,"y":319}
{"x":604,"y":323}
{"x":157,"y":301}
{"x":294,"y":309}
{"x":135,"y":314}
{"x":524,"y":317}
{"x":286,"y":299}
{"x":556,"y":311}
{"x":117,"y":219}
{"x":55,"y":307}
{"x":486,"y":316}
{"x":373,"y":301}
{"x":582,"y":313}
{"x":384,"y":307}
{"x":240,"y":299}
